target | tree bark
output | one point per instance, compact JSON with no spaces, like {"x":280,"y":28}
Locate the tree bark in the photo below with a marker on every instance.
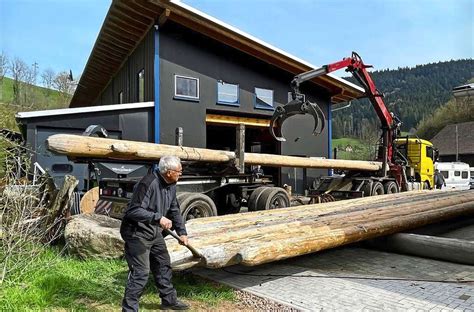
{"x":93,"y":147}
{"x":264,"y":236}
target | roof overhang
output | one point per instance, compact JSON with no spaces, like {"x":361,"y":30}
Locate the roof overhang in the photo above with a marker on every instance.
{"x":128,"y":21}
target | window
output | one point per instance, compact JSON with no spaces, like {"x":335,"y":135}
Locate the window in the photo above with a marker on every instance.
{"x":227,"y":93}
{"x":141,"y":86}
{"x":62,"y":168}
{"x":429,"y":152}
{"x":457,"y":173}
{"x":264,"y":98}
{"x":464,"y":175}
{"x":120,"y":97}
{"x":186,"y":88}
{"x":445,"y":174}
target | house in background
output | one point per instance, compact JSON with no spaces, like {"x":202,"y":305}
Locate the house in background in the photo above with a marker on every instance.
{"x":206,"y":77}
{"x":456,"y":143}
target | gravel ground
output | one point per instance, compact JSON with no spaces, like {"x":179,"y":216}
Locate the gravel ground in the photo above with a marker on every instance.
{"x":248,"y":301}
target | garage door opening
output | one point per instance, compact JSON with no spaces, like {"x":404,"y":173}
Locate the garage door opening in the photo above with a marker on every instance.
{"x":257,"y":140}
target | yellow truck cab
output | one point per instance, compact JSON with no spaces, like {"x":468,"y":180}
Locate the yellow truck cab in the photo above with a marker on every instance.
{"x":420,"y":156}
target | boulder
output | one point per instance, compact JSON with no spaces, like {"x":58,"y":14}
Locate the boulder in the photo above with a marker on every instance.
{"x":94,"y":236}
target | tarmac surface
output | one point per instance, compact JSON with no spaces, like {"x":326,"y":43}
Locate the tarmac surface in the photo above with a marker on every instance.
{"x":356,"y":279}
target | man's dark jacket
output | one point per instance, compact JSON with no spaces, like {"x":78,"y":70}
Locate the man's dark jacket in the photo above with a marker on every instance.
{"x":152,"y":199}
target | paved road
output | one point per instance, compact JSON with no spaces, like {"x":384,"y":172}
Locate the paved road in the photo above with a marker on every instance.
{"x":357,"y":279}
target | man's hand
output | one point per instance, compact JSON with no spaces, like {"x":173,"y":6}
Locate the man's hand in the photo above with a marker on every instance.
{"x":165,"y":223}
{"x":183,"y":240}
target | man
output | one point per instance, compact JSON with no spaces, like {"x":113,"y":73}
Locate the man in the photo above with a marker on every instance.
{"x":439,"y":179}
{"x":153,"y":207}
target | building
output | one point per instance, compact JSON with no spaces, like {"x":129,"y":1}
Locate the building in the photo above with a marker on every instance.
{"x":206,"y":77}
{"x":456,"y":143}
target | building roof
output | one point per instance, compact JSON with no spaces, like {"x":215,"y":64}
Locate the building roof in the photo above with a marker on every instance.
{"x":81,"y":110}
{"x":445,"y":140}
{"x":128,"y":21}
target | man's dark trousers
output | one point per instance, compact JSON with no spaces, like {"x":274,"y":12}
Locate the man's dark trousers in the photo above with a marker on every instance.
{"x":142,"y":255}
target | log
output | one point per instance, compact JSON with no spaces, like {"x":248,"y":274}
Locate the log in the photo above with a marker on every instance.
{"x":93,"y":147}
{"x":442,"y":248}
{"x":264,"y":236}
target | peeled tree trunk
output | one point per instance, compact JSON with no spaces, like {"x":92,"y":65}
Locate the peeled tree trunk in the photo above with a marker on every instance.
{"x":92,"y":147}
{"x":260,"y":237}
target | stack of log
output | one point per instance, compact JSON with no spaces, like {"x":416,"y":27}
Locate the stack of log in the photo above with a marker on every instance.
{"x":265,"y":236}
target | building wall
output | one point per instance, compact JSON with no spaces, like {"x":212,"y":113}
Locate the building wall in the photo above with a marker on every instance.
{"x":188,"y":53}
{"x":126,"y":79}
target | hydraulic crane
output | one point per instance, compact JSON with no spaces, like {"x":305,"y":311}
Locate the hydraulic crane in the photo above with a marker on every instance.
{"x":393,"y":163}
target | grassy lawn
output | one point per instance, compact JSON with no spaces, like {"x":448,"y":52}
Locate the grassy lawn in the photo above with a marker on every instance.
{"x":360,"y":151}
{"x":66,"y":283}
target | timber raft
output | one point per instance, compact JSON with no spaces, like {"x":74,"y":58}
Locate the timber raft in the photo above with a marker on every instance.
{"x":260,"y":237}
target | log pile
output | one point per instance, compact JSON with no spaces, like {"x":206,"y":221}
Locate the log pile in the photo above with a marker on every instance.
{"x":101,"y":148}
{"x":259,"y":237}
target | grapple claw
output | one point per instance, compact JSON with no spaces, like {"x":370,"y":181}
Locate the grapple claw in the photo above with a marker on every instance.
{"x":297,"y":107}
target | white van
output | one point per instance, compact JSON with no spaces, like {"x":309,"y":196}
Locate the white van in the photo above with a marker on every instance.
{"x":456,"y":174}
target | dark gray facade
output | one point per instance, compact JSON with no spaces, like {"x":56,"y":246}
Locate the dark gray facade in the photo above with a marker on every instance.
{"x":126,"y":80}
{"x":188,"y":53}
{"x":120,"y":124}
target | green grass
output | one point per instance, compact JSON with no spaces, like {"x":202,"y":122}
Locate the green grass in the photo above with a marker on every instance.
{"x":360,"y":150}
{"x":67,"y":283}
{"x":40,"y":98}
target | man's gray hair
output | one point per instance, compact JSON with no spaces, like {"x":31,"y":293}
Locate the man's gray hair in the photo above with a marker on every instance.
{"x":168,"y":163}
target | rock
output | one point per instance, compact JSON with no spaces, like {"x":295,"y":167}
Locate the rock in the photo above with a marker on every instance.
{"x":94,"y":236}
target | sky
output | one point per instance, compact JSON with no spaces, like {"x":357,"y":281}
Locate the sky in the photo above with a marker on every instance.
{"x":60,"y":34}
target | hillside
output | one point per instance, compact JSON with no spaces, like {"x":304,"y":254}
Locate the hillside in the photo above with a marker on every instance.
{"x":32,"y":98}
{"x":410,"y":93}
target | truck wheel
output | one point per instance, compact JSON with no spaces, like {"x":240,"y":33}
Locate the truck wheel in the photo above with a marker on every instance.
{"x":390,"y":187}
{"x":228,"y":203}
{"x":377,"y":189}
{"x":273,"y":198}
{"x":196,"y":205}
{"x":253,"y":199}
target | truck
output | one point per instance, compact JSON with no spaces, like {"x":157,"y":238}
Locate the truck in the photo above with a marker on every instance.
{"x":407,"y":163}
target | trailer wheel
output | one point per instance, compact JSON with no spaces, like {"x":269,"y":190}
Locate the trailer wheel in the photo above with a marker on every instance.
{"x":196,"y":205}
{"x":390,"y":187}
{"x":254,"y":197}
{"x":377,"y":189}
{"x":273,"y":198}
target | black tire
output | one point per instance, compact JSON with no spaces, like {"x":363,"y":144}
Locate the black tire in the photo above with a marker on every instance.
{"x":390,"y":187}
{"x":196,"y":205}
{"x":253,"y":199}
{"x":273,"y":198}
{"x":377,"y":189}
{"x":367,"y":188}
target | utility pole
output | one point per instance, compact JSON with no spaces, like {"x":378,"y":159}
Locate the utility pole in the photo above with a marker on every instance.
{"x":457,"y":142}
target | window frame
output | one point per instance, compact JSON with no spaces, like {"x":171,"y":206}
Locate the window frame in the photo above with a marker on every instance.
{"x":220,"y":102}
{"x":259,"y":106}
{"x":464,"y":174}
{"x":139,"y":90}
{"x":186,"y":97}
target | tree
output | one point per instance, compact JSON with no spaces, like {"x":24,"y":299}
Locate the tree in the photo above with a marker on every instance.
{"x":3,"y":65}
{"x":47,"y":78}
{"x":18,"y":69}
{"x":64,"y":85}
